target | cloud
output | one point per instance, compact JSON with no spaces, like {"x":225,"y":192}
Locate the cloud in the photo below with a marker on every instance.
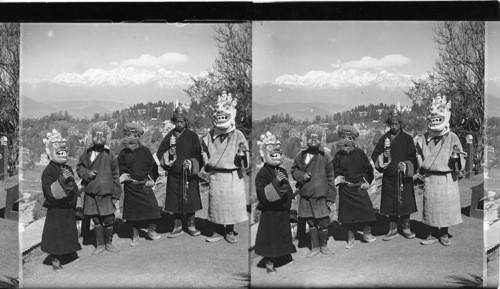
{"x":368,"y":62}
{"x":147,"y":60}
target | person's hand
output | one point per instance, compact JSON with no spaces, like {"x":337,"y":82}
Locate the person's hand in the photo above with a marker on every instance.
{"x":339,"y":180}
{"x":418,"y":176}
{"x":365,"y":186}
{"x":381,"y":161}
{"x":67,"y":174}
{"x":402,"y":167}
{"x":331,"y":205}
{"x":187,"y":165}
{"x":280,"y":176}
{"x":114,"y":201}
{"x":307,"y":177}
{"x":92,"y":174}
{"x":150,"y":183}
{"x":125,"y":178}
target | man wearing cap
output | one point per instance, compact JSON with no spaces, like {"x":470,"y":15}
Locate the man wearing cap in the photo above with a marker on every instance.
{"x":98,"y":169}
{"x":313,"y":171}
{"x":180,"y":155}
{"x":395,"y":157}
{"x":354,"y":175}
{"x":138,"y":172}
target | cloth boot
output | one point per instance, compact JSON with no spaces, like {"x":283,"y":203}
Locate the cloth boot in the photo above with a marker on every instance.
{"x":405,"y":224}
{"x":218,"y":234}
{"x":323,"y":242}
{"x":367,"y":234}
{"x":56,"y":264}
{"x":314,"y":234}
{"x":431,"y":238}
{"x":152,"y":232}
{"x":393,"y":231}
{"x":135,"y":235}
{"x":270,"y":267}
{"x":177,"y":231}
{"x":108,"y":239}
{"x":444,"y":237}
{"x":190,"y":220}
{"x":99,"y":236}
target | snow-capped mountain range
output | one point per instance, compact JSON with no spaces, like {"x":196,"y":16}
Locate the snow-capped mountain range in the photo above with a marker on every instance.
{"x":347,"y":78}
{"x":125,"y":84}
{"x":123,"y":76}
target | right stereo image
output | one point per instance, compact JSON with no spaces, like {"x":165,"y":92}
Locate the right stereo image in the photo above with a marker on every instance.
{"x":375,"y":159}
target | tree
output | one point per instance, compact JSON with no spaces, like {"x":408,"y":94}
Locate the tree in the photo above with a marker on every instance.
{"x":231,"y":72}
{"x":9,"y":90}
{"x":459,"y":74}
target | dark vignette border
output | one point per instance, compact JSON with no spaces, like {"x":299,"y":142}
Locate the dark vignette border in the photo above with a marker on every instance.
{"x":241,"y":11}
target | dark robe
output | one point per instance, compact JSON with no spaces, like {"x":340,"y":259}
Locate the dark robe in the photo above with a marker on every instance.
{"x":187,"y":148}
{"x":355,"y":204}
{"x":60,"y":235}
{"x":139,"y":201}
{"x":100,"y":190}
{"x":402,"y":150}
{"x":314,"y":193}
{"x":274,"y":236}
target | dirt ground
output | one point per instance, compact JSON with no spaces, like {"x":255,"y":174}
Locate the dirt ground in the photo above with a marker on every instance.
{"x":397,"y":263}
{"x":185,"y":261}
{"x":9,"y":241}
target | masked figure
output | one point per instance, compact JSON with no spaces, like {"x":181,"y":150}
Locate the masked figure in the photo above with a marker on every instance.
{"x":313,"y":171}
{"x":354,"y":174}
{"x":138,"y":172}
{"x":225,"y":154}
{"x":98,"y":169}
{"x":442,"y":159}
{"x":274,"y":236}
{"x":60,"y":235}
{"x":180,"y":155}
{"x":395,"y":157}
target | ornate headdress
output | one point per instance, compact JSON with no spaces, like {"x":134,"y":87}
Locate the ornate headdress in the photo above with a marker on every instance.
{"x":439,"y":114}
{"x":225,"y":113}
{"x":180,"y":111}
{"x":394,"y":116}
{"x":56,"y":153}
{"x":270,"y":149}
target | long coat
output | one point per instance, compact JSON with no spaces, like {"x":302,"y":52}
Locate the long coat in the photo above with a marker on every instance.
{"x":187,"y":148}
{"x":355,"y":204}
{"x":227,"y":198}
{"x":60,"y":235}
{"x":100,"y":190}
{"x":139,"y":201}
{"x":442,"y":206}
{"x":402,"y":150}
{"x":314,"y":193}
{"x":274,"y":236}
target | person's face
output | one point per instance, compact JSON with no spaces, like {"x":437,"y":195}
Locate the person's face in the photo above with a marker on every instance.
{"x":132,"y":134}
{"x":394,"y":127}
{"x":99,"y":138}
{"x":180,"y":124}
{"x":313,"y":140}
{"x":347,"y":137}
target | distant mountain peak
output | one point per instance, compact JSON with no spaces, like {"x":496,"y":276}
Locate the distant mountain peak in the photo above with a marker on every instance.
{"x":124,"y":76}
{"x":346,"y":78}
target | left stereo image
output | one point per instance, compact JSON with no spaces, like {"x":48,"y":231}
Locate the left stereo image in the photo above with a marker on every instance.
{"x":134,"y":167}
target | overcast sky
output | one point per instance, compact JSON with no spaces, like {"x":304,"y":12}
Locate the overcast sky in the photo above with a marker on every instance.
{"x":51,"y":49}
{"x":300,"y":47}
